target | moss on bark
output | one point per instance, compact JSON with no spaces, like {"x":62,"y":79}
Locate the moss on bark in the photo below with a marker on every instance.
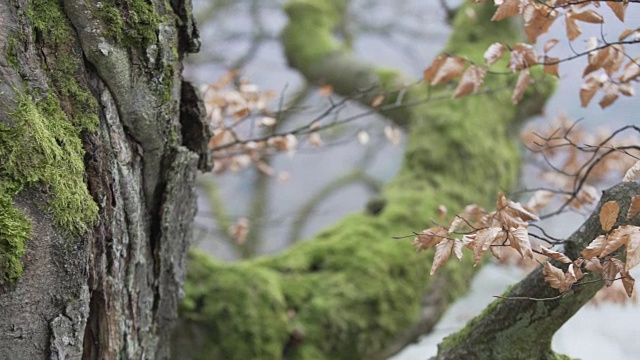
{"x":352,"y":289}
{"x":41,"y":145}
{"x":41,"y":148}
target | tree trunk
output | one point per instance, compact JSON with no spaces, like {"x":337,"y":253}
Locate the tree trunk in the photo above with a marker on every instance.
{"x":100,"y":140}
{"x":522,"y":328}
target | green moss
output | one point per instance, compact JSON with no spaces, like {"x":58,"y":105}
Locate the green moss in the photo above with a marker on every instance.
{"x":49,"y":20}
{"x":11,"y":52}
{"x":64,"y":65}
{"x":258,"y":301}
{"x":42,"y":148}
{"x":353,"y":288}
{"x":131,"y":22}
{"x":15,"y":230}
{"x":311,"y":23}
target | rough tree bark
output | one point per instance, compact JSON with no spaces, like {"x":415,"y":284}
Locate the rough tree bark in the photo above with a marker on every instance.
{"x":100,"y":140}
{"x":523,"y":329}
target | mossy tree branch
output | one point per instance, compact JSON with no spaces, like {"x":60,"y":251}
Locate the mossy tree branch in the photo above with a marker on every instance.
{"x":523,"y":329}
{"x":352,"y":290}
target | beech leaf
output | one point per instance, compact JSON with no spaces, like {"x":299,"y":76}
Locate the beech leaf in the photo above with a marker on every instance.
{"x":616,"y":239}
{"x":609,"y":215}
{"x":628,"y":282}
{"x":618,"y":8}
{"x":633,"y":250}
{"x":589,"y":16}
{"x":632,"y":174}
{"x":443,"y":252}
{"x":554,"y":277}
{"x":550,"y":44}
{"x":493,"y":53}
{"x":595,"y":247}
{"x":470,"y":82}
{"x":634,"y":208}
{"x":555,"y":255}
{"x":519,"y":240}
{"x":521,"y":85}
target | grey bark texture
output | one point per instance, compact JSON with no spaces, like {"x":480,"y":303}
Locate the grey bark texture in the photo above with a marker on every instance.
{"x":522,"y":328}
{"x":112,"y":292}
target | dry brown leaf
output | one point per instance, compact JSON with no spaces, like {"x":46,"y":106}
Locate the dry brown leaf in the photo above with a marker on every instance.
{"x":430,"y":72}
{"x":452,"y":67}
{"x":470,"y":82}
{"x":550,"y":44}
{"x":570,"y":277}
{"x":626,"y":89}
{"x":631,"y":70}
{"x":619,"y":8}
{"x":473,"y":214}
{"x":539,"y":200}
{"x":521,"y":85}
{"x":429,"y":238}
{"x":506,"y":9}
{"x":633,"y":249}
{"x":588,"y":90}
{"x":377,"y":101}
{"x":555,"y":255}
{"x":493,"y":53}
{"x":551,"y":65}
{"x":266,"y":121}
{"x":595,"y":247}
{"x":538,"y":18}
{"x":616,"y":239}
{"x":457,"y":249}
{"x":241,"y":114}
{"x":589,"y":16}
{"x":634,"y":208}
{"x":628,"y":282}
{"x":554,"y":277}
{"x":326,"y":90}
{"x":240,"y":231}
{"x":519,"y":240}
{"x":393,"y":134}
{"x":265,"y":168}
{"x":593,"y":265}
{"x":442,"y":212}
{"x":608,"y":215}
{"x":522,"y":56}
{"x":482,"y":240}
{"x":455,"y":224}
{"x":573,"y":30}
{"x":315,"y":139}
{"x":443,"y":252}
{"x":610,"y":95}
{"x":625,"y":33}
{"x":512,"y":214}
{"x":620,"y":266}
{"x":609,"y":272}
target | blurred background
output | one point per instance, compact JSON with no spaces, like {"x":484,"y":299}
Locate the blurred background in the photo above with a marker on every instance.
{"x":318,"y":186}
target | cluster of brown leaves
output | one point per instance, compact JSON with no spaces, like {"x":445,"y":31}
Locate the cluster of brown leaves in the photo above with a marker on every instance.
{"x":506,"y":226}
{"x":579,"y":154}
{"x":599,"y":257}
{"x":538,"y":16}
{"x":245,"y":129}
{"x":231,"y":105}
